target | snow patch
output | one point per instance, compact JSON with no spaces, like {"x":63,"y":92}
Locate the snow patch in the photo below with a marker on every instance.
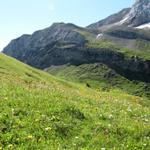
{"x":99,"y":36}
{"x":123,"y":20}
{"x":147,"y":25}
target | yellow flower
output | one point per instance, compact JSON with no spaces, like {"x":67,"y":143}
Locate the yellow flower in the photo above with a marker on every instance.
{"x":6,"y":98}
{"x":36,"y":120}
{"x":30,"y":137}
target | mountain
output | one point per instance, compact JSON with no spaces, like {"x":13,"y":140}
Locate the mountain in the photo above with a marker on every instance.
{"x":39,"y":111}
{"x":111,"y":19}
{"x":139,"y":14}
{"x":117,"y":42}
{"x":29,"y":48}
{"x":135,"y":16}
{"x":91,"y":88}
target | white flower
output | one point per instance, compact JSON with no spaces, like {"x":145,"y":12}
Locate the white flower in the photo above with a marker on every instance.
{"x":129,"y":109}
{"x":146,"y":120}
{"x":48,"y":128}
{"x":101,"y":115}
{"x":110,"y":116}
{"x":109,"y":125}
{"x":103,"y":148}
{"x":13,"y":111}
{"x":148,"y":137}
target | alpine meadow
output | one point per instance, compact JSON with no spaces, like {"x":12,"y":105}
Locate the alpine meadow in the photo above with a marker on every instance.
{"x":68,"y":87}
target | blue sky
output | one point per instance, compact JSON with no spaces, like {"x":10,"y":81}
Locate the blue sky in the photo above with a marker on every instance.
{"x":26,"y":16}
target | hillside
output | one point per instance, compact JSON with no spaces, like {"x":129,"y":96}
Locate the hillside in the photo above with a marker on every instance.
{"x":100,"y":77}
{"x":120,"y":41}
{"x":39,"y":111}
{"x":63,"y":43}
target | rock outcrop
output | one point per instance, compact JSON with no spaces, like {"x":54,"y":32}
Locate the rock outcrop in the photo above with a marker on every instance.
{"x":25,"y":46}
{"x":67,"y":44}
{"x":135,"y":16}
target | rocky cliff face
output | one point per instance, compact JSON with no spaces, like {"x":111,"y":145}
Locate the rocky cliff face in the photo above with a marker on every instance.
{"x":25,"y":45}
{"x":67,"y":44}
{"x":137,"y":15}
{"x":132,"y":68}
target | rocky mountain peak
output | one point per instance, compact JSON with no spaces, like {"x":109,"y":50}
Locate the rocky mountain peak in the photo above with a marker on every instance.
{"x":139,"y":13}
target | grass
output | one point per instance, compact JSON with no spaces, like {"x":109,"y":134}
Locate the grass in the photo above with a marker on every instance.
{"x":143,"y":53}
{"x":100,"y":77}
{"x":39,"y":111}
{"x":141,"y":47}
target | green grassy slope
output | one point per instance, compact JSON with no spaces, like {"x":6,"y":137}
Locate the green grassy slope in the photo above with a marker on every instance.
{"x":139,"y":48}
{"x":101,"y":77}
{"x":39,"y":111}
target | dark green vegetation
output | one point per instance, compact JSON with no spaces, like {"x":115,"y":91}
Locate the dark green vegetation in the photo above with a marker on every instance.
{"x":100,"y":77}
{"x":39,"y":111}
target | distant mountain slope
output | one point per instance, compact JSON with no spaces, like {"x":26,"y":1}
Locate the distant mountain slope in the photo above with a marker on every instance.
{"x":139,"y":14}
{"x":39,"y":111}
{"x":111,"y":19}
{"x":67,"y":43}
{"x":135,"y":16}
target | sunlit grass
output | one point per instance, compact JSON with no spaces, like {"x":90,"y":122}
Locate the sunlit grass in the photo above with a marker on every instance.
{"x":39,"y":111}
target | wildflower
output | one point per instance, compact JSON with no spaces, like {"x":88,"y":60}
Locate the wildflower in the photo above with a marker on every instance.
{"x":144,"y":144}
{"x":36,"y":120}
{"x":10,"y":146}
{"x":109,"y":125}
{"x":146,"y":120}
{"x":48,"y":128}
{"x":13,"y":111}
{"x":110,"y":116}
{"x":129,"y":110}
{"x":76,"y":137}
{"x":101,"y":115}
{"x":103,"y":148}
{"x":30,"y":136}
